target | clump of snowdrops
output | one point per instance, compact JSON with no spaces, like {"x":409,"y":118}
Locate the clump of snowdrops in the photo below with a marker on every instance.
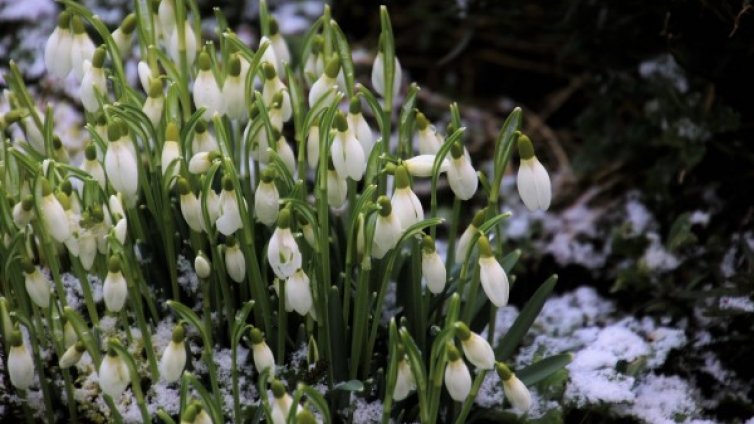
{"x":290,"y":187}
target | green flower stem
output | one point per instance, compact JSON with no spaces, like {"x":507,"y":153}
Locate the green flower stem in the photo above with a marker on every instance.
{"x":282,"y":324}
{"x":185,"y":77}
{"x":469,"y":402}
{"x":323,"y":219}
{"x":392,"y":371}
{"x":419,"y":313}
{"x":471,"y":299}
{"x":239,"y":326}
{"x":455,"y":217}
{"x":492,"y":323}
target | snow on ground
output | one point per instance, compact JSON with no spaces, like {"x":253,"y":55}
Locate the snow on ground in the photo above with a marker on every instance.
{"x":615,"y":359}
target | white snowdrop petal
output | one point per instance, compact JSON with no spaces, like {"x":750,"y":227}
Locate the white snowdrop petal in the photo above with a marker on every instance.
{"x":434,"y":272}
{"x":173,"y":361}
{"x":235,"y":264}
{"x":113,"y":376}
{"x":517,"y":393}
{"x":457,"y":380}
{"x":55,"y":219}
{"x":114,"y":291}
{"x":283,"y":253}
{"x":494,"y":281}
{"x":20,"y":367}
{"x":263,"y":357}
{"x":478,"y":352}
{"x":266,"y":203}
{"x":405,"y":382}
{"x":298,"y":293}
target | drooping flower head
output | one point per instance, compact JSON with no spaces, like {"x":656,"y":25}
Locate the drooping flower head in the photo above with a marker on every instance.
{"x":533,"y":181}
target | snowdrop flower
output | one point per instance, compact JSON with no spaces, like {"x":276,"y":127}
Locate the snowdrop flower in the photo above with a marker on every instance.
{"x":203,"y":140}
{"x":263,"y":358}
{"x":202,"y":161}
{"x":337,"y":187}
{"x":515,"y":390}
{"x":315,"y":62}
{"x":207,"y":93}
{"x":298,"y":293}
{"x":202,"y":266}
{"x":121,"y":230}
{"x":94,"y":81}
{"x":406,"y":205}
{"x":123,"y":34}
{"x":190,"y":207}
{"x":82,"y":47}
{"x":155,"y":102}
{"x":60,"y":153}
{"x":274,"y":86}
{"x":190,"y":413}
{"x":113,"y":374}
{"x":213,"y":208}
{"x":37,"y":285}
{"x":421,"y":166}
{"x":387,"y":230}
{"x":405,"y":383}
{"x":461,"y":175}
{"x":284,"y":151}
{"x":191,"y":43}
{"x":464,"y":242}
{"x":346,"y":152}
{"x":426,"y":139}
{"x":120,"y":162}
{"x":173,"y":359}
{"x":23,"y":211}
{"x":283,"y":253}
{"x":92,"y":166}
{"x":359,"y":126}
{"x":234,"y":91}
{"x":203,"y":417}
{"x":266,"y":199}
{"x":69,"y":335}
{"x":20,"y":365}
{"x":304,"y":416}
{"x":282,"y":403}
{"x":269,"y":55}
{"x":457,"y":376}
{"x":54,"y":217}
{"x":145,"y":75}
{"x":166,"y":14}
{"x":378,"y":74}
{"x":235,"y":263}
{"x":476,"y":349}
{"x":58,"y":48}
{"x":33,"y":134}
{"x":312,"y":146}
{"x":170,"y":149}
{"x":323,"y":90}
{"x":115,"y":288}
{"x":433,"y":268}
{"x":230,"y":215}
{"x":72,"y":355}
{"x":277,"y":42}
{"x":533,"y":181}
{"x":491,"y":275}
{"x":87,"y":248}
{"x":308,"y":231}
